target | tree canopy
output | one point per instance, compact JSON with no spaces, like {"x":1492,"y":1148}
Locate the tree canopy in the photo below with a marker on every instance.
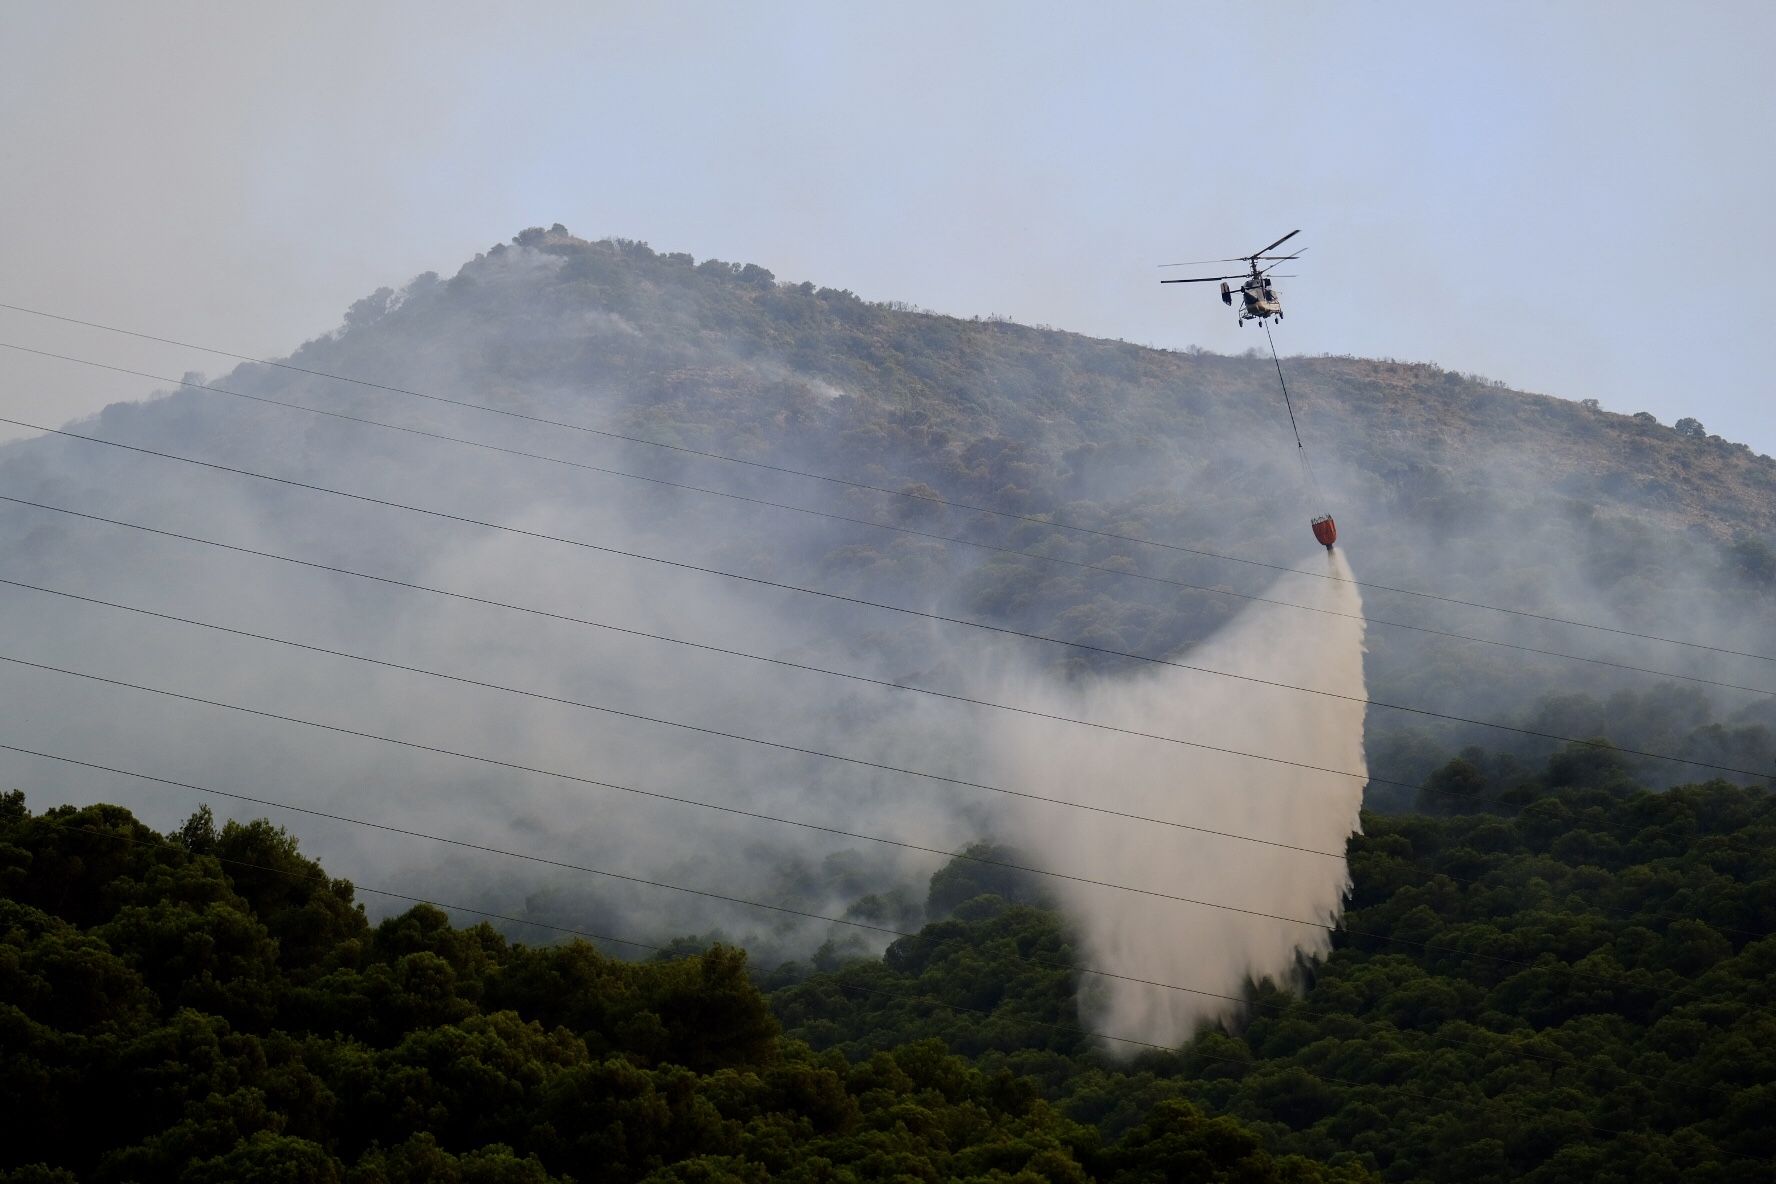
{"x":211,"y":1006}
{"x":1550,"y":975}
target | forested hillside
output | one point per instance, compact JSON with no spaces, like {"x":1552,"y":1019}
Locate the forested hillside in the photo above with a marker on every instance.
{"x":1568,"y":977}
{"x":210,"y":1006}
{"x":1555,"y":976}
{"x":615,"y":595}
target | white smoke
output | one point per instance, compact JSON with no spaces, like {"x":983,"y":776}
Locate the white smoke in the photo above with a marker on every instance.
{"x":1167,"y":941}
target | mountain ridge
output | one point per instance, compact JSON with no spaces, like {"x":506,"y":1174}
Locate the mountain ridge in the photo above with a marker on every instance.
{"x":1689,"y":487}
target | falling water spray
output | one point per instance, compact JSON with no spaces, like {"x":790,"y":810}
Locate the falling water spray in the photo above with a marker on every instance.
{"x":1210,"y":949}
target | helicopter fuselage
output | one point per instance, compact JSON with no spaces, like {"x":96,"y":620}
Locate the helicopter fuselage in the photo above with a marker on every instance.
{"x":1258,"y":301}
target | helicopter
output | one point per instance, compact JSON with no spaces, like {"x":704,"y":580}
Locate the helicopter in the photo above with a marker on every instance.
{"x":1259,"y":302}
{"x":1258,"y":296}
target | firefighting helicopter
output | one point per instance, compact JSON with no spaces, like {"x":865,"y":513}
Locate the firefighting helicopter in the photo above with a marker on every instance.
{"x":1259,"y":299}
{"x":1260,"y":302}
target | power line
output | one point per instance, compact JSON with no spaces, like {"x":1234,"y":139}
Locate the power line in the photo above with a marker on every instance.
{"x":901,"y":529}
{"x":905,"y":493}
{"x":567,"y":618}
{"x":587,"y":869}
{"x":671,"y":723}
{"x":541,"y":772}
{"x":1097,"y":809}
{"x":967,"y":542}
{"x":658,"y":949}
{"x":509,"y":919}
{"x":864,"y":837}
{"x":855,"y":600}
{"x":322,"y":878}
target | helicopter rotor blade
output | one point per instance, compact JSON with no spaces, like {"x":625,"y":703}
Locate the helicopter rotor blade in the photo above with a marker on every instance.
{"x":1204,"y":279}
{"x":1237,"y":259}
{"x":1281,"y":259}
{"x":1275,"y":245}
{"x":1204,"y":262}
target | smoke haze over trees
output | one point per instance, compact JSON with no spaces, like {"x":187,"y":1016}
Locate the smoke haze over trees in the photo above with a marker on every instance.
{"x":1441,"y":482}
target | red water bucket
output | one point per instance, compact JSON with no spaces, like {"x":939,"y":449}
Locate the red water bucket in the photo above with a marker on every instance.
{"x":1325,"y":530}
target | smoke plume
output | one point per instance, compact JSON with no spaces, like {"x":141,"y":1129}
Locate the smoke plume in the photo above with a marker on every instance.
{"x":1212,"y":950}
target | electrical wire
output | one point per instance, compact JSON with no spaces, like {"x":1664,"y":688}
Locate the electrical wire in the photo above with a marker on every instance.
{"x":1308,"y":475}
{"x":1050,"y":523}
{"x":541,"y":772}
{"x":1243,"y":1000}
{"x":1329,"y":926}
{"x":697,"y":645}
{"x":1097,"y":809}
{"x":672,"y":723}
{"x":857,"y":988}
{"x":861,"y":522}
{"x":861,"y":601}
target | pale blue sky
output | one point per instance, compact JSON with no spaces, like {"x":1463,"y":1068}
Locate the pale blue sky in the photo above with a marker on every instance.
{"x":1576,"y":198}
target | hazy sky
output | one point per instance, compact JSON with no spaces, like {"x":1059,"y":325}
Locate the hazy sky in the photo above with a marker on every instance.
{"x":1572,"y":197}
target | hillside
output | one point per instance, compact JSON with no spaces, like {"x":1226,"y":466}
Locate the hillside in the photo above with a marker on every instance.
{"x":211,"y":1006}
{"x":1441,"y":482}
{"x":615,"y":593}
{"x":1569,"y":982}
